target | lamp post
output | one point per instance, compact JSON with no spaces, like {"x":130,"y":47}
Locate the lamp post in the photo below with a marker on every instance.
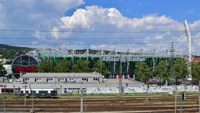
{"x":14,"y":92}
{"x":60,"y":89}
{"x":175,"y":98}
{"x":199,"y":96}
{"x":25,"y":93}
{"x":4,"y":102}
{"x":31,"y":98}
{"x":81,"y":104}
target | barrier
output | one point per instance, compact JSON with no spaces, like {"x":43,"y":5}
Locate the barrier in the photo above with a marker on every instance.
{"x":143,"y":89}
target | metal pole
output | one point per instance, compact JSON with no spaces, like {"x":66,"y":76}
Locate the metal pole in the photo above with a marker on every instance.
{"x":31,"y":98}
{"x":175,"y":103}
{"x":199,"y":96}
{"x":32,"y":102}
{"x":127,"y":69}
{"x":25,"y":94}
{"x":181,"y":103}
{"x":114,"y":68}
{"x":120,"y":75}
{"x":14,"y":90}
{"x":187,"y":32}
{"x":184,"y":89}
{"x":146,"y":98}
{"x":4,"y":102}
{"x":81,"y":109}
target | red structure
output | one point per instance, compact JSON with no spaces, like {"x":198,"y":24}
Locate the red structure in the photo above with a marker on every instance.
{"x":196,"y":60}
{"x":24,"y":63}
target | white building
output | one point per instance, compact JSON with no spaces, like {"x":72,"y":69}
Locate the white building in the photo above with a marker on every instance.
{"x":61,"y":77}
{"x":68,"y":83}
{"x":8,"y":68}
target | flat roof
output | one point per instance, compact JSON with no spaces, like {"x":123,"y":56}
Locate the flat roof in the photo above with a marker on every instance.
{"x":61,"y":75}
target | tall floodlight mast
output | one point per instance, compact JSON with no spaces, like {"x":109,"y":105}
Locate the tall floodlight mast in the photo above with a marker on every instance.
{"x":187,"y":32}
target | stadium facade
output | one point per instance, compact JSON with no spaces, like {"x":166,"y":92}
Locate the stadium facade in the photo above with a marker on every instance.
{"x":93,"y":82}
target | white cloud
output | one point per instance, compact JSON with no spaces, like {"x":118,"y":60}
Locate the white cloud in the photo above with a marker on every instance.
{"x":148,"y":29}
{"x":98,"y":19}
{"x":36,"y":13}
{"x":32,"y":14}
{"x":195,"y":26}
{"x":98,"y":26}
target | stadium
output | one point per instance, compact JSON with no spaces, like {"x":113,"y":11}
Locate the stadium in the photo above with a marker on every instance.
{"x":99,"y":56}
{"x":120,"y":65}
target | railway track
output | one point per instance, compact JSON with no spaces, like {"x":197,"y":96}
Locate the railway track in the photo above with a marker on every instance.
{"x":124,"y":104}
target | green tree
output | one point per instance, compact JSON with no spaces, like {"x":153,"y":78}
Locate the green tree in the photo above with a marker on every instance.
{"x":46,"y":66}
{"x":62,"y":66}
{"x":143,"y":72}
{"x":3,"y":71}
{"x":161,"y":70}
{"x":180,"y":69}
{"x":81,"y":66}
{"x":100,"y":67}
{"x":196,"y":72}
{"x":9,"y":54}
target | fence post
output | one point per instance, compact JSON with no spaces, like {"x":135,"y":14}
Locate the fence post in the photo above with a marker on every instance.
{"x":81,"y":104}
{"x":199,"y":96}
{"x":181,"y":103}
{"x":4,"y":100}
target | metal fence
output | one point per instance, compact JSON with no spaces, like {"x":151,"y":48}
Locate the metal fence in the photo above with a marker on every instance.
{"x":151,"y":103}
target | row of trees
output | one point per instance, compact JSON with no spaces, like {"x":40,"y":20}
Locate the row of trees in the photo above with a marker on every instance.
{"x":77,"y":66}
{"x":163,"y":70}
{"x":9,"y":54}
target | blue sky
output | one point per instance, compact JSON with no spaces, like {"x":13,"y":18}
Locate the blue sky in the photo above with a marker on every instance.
{"x":96,"y":24}
{"x":178,"y":9}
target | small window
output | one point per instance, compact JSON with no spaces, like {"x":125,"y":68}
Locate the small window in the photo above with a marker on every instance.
{"x":26,"y":79}
{"x":84,"y":79}
{"x":61,"y":79}
{"x":37,"y":79}
{"x":96,"y":79}
{"x":49,"y":79}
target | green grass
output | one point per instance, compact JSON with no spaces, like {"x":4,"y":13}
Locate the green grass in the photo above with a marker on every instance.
{"x":9,"y":97}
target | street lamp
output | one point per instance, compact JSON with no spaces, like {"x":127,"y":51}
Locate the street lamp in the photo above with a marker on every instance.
{"x":4,"y":102}
{"x":31,"y":97}
{"x":199,"y":96}
{"x":82,"y":92}
{"x":25,"y":93}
